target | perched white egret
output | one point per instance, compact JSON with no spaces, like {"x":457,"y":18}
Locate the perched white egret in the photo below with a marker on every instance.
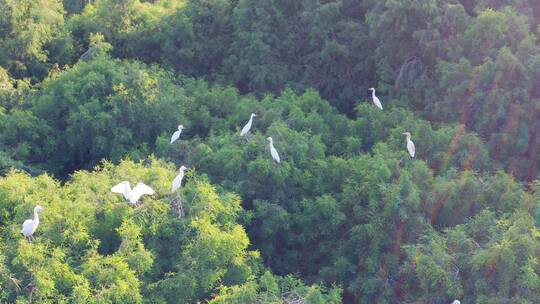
{"x":176,"y":134}
{"x":247,"y":127}
{"x":273,"y":151}
{"x":177,"y":182}
{"x":30,"y":226}
{"x":410,"y":144}
{"x":132,"y":196}
{"x":456,"y":302}
{"x":376,"y":100}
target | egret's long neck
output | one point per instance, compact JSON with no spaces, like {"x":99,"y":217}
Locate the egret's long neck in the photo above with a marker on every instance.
{"x":373,"y":92}
{"x":36,"y":218}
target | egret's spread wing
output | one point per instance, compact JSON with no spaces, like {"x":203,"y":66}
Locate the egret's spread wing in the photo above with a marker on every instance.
{"x":27,"y":227}
{"x":175,"y":136}
{"x":124,"y":188}
{"x":177,"y":182}
{"x":140,"y":190}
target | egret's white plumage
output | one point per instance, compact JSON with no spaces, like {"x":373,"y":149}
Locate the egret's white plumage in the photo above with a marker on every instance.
{"x":456,"y":302}
{"x":247,"y":127}
{"x":132,"y":196}
{"x":177,"y":182}
{"x":176,"y":134}
{"x":30,"y":226}
{"x":410,"y":144}
{"x":273,"y":151}
{"x":376,"y":100}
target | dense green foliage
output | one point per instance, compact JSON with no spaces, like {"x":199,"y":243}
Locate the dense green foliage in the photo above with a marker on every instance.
{"x":94,"y":248}
{"x":90,"y":93}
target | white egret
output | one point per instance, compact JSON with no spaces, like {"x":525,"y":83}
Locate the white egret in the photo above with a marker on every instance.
{"x":177,"y":182}
{"x":132,"y":196}
{"x":456,"y":302}
{"x":410,"y":144}
{"x":247,"y":127}
{"x":176,"y":134}
{"x":273,"y":151}
{"x":30,"y":226}
{"x":376,"y":100}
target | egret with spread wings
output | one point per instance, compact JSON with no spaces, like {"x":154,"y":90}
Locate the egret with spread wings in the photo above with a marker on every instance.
{"x":132,"y":195}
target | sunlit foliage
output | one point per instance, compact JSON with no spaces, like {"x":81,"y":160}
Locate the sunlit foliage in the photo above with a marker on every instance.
{"x":91,"y":91}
